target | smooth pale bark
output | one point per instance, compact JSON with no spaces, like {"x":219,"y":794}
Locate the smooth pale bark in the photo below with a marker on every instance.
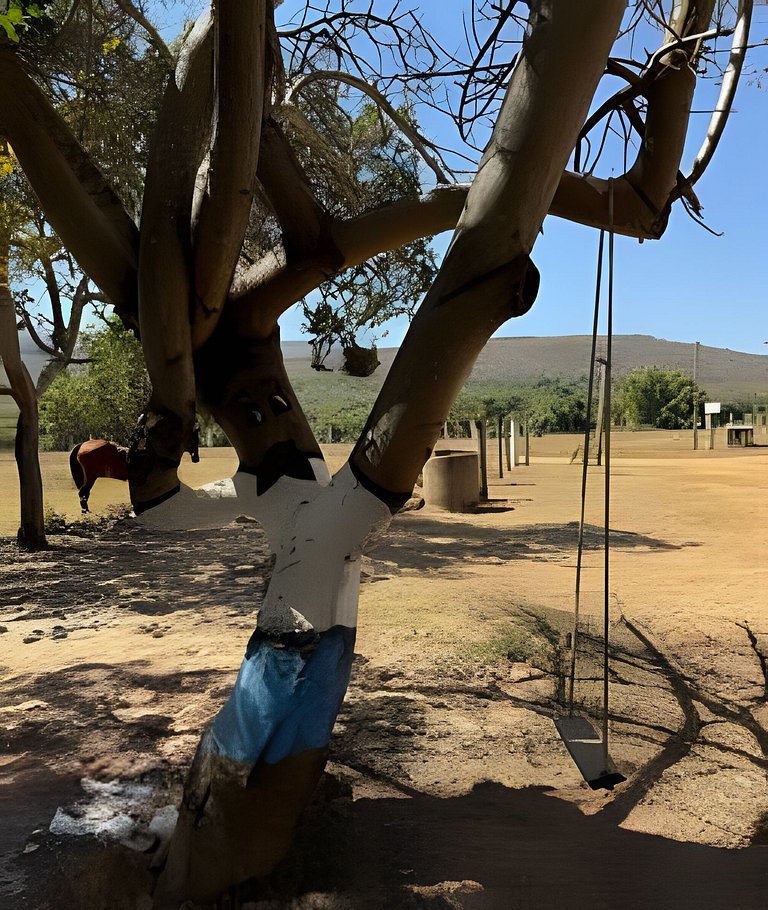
{"x":304,"y":223}
{"x":727,"y":92}
{"x":643,"y":196}
{"x":165,"y":266}
{"x":241,"y":81}
{"x":269,"y":289}
{"x":32,"y":530}
{"x":78,"y":202}
{"x":486,"y":276}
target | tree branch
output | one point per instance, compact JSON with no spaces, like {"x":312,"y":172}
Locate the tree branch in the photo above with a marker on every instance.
{"x":165,"y":256}
{"x":643,"y":195}
{"x":241,"y":83}
{"x":486,"y":276}
{"x":271,"y":287}
{"x":416,"y":139}
{"x":79,"y":204}
{"x":303,"y":221}
{"x":155,"y":40}
{"x":727,"y":92}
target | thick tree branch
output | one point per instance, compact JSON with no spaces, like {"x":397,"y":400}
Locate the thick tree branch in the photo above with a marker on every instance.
{"x":165,"y":258}
{"x":78,"y":203}
{"x":34,"y":335}
{"x":486,"y":276}
{"x":241,"y":76}
{"x":416,"y":139}
{"x":270,"y":288}
{"x":643,"y":196}
{"x":304,"y":222}
{"x":31,"y":533}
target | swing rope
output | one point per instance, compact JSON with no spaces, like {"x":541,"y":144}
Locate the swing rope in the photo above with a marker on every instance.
{"x":584,"y":472}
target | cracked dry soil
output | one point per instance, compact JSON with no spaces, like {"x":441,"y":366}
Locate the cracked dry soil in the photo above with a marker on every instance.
{"x":447,"y":785}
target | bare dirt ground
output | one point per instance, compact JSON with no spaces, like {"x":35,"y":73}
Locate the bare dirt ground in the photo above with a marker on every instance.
{"x":448,"y":786}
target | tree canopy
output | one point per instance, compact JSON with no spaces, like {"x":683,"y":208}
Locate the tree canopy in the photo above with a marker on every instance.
{"x":102,"y":400}
{"x":649,"y":396}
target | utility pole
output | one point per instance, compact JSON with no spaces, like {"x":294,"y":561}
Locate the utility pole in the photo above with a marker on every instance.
{"x":695,"y":396}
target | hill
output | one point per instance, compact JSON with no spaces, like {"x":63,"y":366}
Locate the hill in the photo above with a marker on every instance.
{"x":725,"y":375}
{"x":728,"y":376}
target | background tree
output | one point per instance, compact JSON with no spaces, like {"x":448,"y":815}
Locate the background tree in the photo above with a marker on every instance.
{"x":658,"y":398}
{"x":101,"y":401}
{"x":222,"y":167}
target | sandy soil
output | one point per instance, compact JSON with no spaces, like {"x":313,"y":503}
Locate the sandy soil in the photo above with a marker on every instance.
{"x":448,"y":786}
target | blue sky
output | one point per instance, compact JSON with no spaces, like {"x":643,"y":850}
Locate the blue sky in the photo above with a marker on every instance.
{"x":688,"y":286}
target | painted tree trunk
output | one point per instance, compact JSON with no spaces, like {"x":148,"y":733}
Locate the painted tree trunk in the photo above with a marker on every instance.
{"x":31,"y":534}
{"x":258,"y":761}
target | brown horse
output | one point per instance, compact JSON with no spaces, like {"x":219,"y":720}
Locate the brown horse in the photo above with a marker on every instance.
{"x":93,"y":459}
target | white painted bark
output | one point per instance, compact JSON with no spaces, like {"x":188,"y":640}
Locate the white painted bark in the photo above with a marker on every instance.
{"x":317,"y":531}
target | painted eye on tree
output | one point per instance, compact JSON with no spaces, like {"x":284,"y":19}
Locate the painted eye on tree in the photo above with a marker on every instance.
{"x":258,"y":415}
{"x":279,"y":404}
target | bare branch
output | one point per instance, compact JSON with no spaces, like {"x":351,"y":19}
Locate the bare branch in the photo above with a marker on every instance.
{"x":417,"y":140}
{"x":727,"y":93}
{"x":130,"y":9}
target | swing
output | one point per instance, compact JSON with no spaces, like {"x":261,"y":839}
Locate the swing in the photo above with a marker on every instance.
{"x":588,"y":751}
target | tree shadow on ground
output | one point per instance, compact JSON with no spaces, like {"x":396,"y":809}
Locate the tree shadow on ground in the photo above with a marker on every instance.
{"x":523,"y":848}
{"x":421,"y":542}
{"x":139,"y":571}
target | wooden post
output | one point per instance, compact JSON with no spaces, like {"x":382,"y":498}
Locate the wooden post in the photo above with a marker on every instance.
{"x":500,"y":434}
{"x":695,"y":396}
{"x":482,"y":442}
{"x":527,"y":446}
{"x":508,"y":449}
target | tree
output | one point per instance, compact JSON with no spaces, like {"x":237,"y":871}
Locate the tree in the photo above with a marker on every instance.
{"x":664,"y":399}
{"x":103,"y":401}
{"x":94,"y":65}
{"x":222,"y":166}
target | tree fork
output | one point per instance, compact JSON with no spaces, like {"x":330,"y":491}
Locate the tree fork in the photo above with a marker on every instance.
{"x":242,"y":382}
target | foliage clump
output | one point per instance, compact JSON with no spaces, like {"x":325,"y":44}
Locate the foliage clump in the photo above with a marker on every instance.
{"x":649,"y":396}
{"x":102,"y":401}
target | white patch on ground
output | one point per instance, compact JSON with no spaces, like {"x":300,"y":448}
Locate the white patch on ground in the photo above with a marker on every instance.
{"x":114,"y":811}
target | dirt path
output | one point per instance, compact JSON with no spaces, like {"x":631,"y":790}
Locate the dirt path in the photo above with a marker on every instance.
{"x":448,"y":785}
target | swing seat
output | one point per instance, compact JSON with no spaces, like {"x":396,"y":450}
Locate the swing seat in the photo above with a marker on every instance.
{"x":586,"y":749}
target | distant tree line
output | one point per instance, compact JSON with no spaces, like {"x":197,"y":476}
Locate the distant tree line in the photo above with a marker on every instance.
{"x":105,"y":398}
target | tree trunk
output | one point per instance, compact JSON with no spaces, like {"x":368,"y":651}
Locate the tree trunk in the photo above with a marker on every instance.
{"x":278,"y":720}
{"x":32,"y":530}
